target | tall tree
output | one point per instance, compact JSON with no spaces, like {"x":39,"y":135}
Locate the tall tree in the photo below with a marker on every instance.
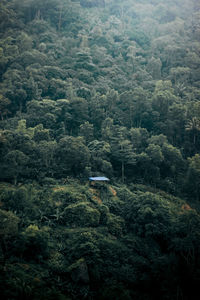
{"x":122,"y":150}
{"x":193,"y":126}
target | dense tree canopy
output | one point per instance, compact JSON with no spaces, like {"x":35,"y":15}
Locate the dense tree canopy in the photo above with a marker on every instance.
{"x":99,"y":88}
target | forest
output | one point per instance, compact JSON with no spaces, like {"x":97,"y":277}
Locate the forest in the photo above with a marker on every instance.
{"x":100,"y":88}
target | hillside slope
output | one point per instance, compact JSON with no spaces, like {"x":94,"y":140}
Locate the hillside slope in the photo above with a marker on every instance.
{"x":71,"y":244}
{"x":99,"y":88}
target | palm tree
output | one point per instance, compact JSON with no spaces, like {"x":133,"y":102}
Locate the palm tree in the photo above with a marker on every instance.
{"x":193,"y":126}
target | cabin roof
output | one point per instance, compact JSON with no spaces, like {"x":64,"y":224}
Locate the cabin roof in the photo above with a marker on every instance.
{"x":98,"y":179}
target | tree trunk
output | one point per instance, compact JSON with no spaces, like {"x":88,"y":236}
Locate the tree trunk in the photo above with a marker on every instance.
{"x":123,"y":171}
{"x":194,"y":139}
{"x":60,"y":18}
{"x":15,"y":180}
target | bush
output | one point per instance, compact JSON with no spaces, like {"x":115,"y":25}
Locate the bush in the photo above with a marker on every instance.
{"x":115,"y":225}
{"x":81,"y":214}
{"x":34,"y":242}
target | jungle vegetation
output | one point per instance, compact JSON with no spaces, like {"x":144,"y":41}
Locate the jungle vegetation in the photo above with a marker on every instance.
{"x":92,"y":88}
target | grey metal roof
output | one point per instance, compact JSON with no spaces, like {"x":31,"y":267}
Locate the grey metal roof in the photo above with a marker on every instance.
{"x":98,"y":179}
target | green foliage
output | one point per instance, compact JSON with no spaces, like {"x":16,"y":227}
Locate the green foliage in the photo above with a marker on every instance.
{"x":16,"y":161}
{"x":149,"y":215}
{"x":193,"y":175}
{"x":72,"y":155}
{"x":115,"y":225}
{"x":99,"y":88}
{"x":81,"y":214}
{"x":16,"y":199}
{"x":34,"y":242}
{"x":9,"y":224}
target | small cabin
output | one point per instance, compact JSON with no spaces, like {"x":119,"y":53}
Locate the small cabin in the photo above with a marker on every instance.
{"x":97,"y":180}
